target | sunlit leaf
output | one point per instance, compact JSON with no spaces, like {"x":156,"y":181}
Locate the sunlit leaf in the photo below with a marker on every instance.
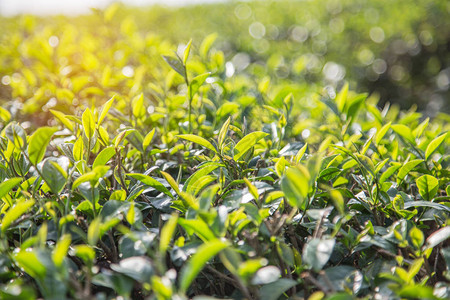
{"x":198,"y":227}
{"x":147,"y":139}
{"x":104,"y":156}
{"x":8,"y":185}
{"x":151,"y":182}
{"x":92,"y":176}
{"x":198,"y":140}
{"x":434,"y":144}
{"x":196,"y":83}
{"x":138,"y":107}
{"x":295,"y":186}
{"x":63,"y":119}
{"x":61,"y":249}
{"x":105,"y":109}
{"x":88,"y":123}
{"x":16,"y":134}
{"x":15,"y":213}
{"x":382,"y":132}
{"x":186,"y":52}
{"x":31,"y":263}
{"x":428,"y":186}
{"x":247,"y":142}
{"x":167,"y":233}
{"x":403,"y":131}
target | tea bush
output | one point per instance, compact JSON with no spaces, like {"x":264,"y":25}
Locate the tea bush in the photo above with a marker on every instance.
{"x":129,"y":171}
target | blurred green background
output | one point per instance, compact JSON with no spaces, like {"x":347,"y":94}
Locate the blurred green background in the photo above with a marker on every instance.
{"x":398,"y":50}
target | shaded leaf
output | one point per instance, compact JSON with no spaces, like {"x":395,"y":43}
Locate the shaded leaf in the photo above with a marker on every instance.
{"x":317,"y":252}
{"x":274,"y":290}
{"x":266,"y":275}
{"x":175,"y":64}
{"x":198,"y":261}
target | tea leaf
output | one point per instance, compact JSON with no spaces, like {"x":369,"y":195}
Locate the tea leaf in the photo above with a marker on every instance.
{"x":438,"y":237}
{"x":192,"y":184}
{"x":295,"y":186}
{"x":406,"y":168}
{"x":38,"y":143}
{"x":151,"y":182}
{"x":171,"y":182}
{"x":8,"y":185}
{"x":61,"y":249}
{"x":252,"y":189}
{"x":54,"y":175}
{"x":208,"y":41}
{"x":198,"y":140}
{"x":106,"y":108}
{"x":88,"y":123}
{"x":341,"y":98}
{"x":223,"y":133}
{"x":196,"y":83}
{"x":16,"y":134}
{"x":247,"y":142}
{"x":382,"y":132}
{"x":175,"y":64}
{"x":428,"y":186}
{"x":167,"y":233}
{"x":31,"y":263}
{"x":63,"y":119}
{"x":187,"y":50}
{"x":148,"y":139}
{"x":199,"y":227}
{"x":198,"y":261}
{"x":434,"y":144}
{"x":403,"y":131}
{"x":15,"y":213}
{"x":104,"y":156}
{"x":317,"y":252}
{"x":138,"y":107}
{"x":92,"y":176}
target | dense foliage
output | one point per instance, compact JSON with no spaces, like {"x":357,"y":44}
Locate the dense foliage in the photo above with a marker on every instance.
{"x":128,"y":171}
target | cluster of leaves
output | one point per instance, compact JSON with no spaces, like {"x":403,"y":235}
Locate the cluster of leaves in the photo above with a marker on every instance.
{"x":190,"y":182}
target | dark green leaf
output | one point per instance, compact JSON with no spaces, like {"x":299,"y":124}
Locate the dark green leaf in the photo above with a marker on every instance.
{"x":198,"y":261}
{"x":175,"y":64}
{"x":317,"y":252}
